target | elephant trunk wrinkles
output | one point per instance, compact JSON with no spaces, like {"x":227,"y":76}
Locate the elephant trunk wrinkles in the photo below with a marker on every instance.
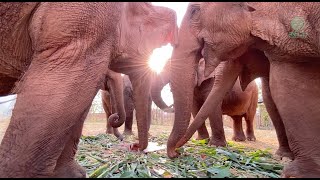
{"x":116,"y":92}
{"x":225,"y":77}
{"x":182,"y":77}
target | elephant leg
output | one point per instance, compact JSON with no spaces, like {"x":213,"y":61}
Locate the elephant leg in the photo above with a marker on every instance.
{"x":129,"y":108}
{"x":50,"y":103}
{"x":202,"y":131}
{"x":216,"y":123}
{"x":66,"y":165}
{"x":238,"y":134}
{"x":225,"y":76}
{"x":284,"y":149}
{"x":128,"y":124}
{"x":295,"y":90}
{"x":149,"y":114}
{"x":141,"y":85}
{"x":250,"y":129}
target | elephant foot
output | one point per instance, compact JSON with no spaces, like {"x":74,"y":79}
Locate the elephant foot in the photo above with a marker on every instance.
{"x":239,"y":137}
{"x":307,"y":168}
{"x":70,"y":170}
{"x":201,"y":136}
{"x":284,"y":152}
{"x":251,"y":137}
{"x":217,"y":142}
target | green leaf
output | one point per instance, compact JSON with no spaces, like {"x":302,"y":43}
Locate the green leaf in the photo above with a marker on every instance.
{"x":99,"y":171}
{"x":133,"y":166}
{"x":128,"y":174}
{"x":219,"y":172}
{"x":232,"y":156}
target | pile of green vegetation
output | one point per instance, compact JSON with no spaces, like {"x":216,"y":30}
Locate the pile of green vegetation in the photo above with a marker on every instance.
{"x":102,"y":158}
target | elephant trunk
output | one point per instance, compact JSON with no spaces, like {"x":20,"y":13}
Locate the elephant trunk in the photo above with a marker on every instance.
{"x":116,"y":92}
{"x":157,"y":85}
{"x":226,"y":74}
{"x":184,"y":61}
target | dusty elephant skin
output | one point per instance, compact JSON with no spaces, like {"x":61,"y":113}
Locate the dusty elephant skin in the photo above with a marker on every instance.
{"x":253,"y":64}
{"x":112,"y":92}
{"x":294,"y":77}
{"x":117,"y":96}
{"x":237,"y":103}
{"x":55,"y":56}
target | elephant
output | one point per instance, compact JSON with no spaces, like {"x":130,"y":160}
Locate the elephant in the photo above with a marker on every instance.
{"x":110,"y":93}
{"x":55,"y":57}
{"x":124,"y":85}
{"x":236,"y":104}
{"x":286,"y":33}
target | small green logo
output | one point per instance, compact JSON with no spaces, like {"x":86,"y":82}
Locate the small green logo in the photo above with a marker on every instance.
{"x":297,"y":24}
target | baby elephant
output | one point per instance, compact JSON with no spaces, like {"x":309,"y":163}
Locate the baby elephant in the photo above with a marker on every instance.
{"x":236,"y":103}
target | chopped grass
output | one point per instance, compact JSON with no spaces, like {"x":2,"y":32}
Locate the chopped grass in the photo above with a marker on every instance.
{"x":103,"y":157}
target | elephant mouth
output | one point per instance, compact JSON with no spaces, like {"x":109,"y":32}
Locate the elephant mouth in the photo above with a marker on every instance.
{"x":210,"y":66}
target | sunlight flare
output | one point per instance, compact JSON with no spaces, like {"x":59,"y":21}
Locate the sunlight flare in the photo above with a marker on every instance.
{"x":159,"y":57}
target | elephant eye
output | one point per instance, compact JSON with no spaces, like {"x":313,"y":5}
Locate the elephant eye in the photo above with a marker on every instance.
{"x":194,"y":9}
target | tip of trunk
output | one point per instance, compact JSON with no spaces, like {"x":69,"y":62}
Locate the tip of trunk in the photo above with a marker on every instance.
{"x":115,"y":121}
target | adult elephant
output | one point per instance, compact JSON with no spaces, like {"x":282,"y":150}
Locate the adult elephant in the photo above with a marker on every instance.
{"x":58,"y":54}
{"x":113,"y":101}
{"x":236,"y":104}
{"x":290,"y":42}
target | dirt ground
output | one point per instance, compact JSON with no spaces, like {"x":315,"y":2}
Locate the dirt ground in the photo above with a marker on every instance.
{"x":265,"y":138}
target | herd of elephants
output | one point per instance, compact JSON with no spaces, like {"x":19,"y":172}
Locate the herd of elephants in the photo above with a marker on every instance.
{"x":56,"y":56}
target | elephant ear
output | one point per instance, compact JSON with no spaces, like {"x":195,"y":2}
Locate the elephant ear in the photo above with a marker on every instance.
{"x":200,"y":72}
{"x":264,"y":26}
{"x":254,"y":64}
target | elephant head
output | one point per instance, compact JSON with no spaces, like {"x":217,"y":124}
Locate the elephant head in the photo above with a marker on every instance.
{"x":143,"y":28}
{"x":196,"y":36}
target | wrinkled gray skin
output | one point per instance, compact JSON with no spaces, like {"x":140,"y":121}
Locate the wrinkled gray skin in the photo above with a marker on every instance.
{"x":55,"y":56}
{"x":294,"y":77}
